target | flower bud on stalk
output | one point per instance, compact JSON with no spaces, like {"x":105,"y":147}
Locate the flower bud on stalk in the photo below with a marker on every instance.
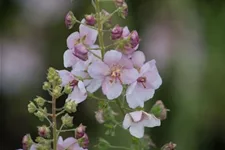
{"x":99,"y":116}
{"x":40,"y":101}
{"x":124,"y":12}
{"x":81,"y":52}
{"x":46,"y":86}
{"x":118,"y":3}
{"x":85,"y":141}
{"x":70,"y":106}
{"x":116,"y":32}
{"x":169,"y":146}
{"x":70,"y":20}
{"x":67,"y":120}
{"x":90,"y":20}
{"x":106,"y":14}
{"x":134,"y":39}
{"x":44,"y":131}
{"x":31,"y":107}
{"x":80,"y":131}
{"x":27,"y":142}
{"x":159,"y":110}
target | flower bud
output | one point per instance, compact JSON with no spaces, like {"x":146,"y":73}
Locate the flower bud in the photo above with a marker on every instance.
{"x":81,"y":52}
{"x":31,"y":107}
{"x":85,"y":141}
{"x":134,"y":39}
{"x":106,"y":14}
{"x":40,"y":101}
{"x":116,"y":32}
{"x":90,"y":20}
{"x":70,"y":106}
{"x":57,"y":91}
{"x":99,"y":116}
{"x":44,"y":131}
{"x":80,"y":131}
{"x":68,"y":89}
{"x":41,"y":114}
{"x":169,"y":146}
{"x":46,"y":86}
{"x":26,"y":141}
{"x":124,"y":10}
{"x":119,"y":3}
{"x":159,"y":110}
{"x":67,"y":120}
{"x":70,"y":20}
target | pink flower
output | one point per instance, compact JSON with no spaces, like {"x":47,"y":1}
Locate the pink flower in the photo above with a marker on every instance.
{"x":69,"y":144}
{"x":81,"y":67}
{"x":147,"y":81}
{"x":114,"y":71}
{"x":79,"y":93}
{"x":137,"y":120}
{"x":78,"y":43}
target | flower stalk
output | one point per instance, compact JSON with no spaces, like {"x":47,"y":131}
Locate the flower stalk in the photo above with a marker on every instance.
{"x":54,"y":123}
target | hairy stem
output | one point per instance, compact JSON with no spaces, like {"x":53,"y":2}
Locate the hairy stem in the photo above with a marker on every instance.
{"x":54,"y":124}
{"x":100,"y":28}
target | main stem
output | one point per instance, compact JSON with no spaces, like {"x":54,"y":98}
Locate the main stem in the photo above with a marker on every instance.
{"x":54,"y":123}
{"x":100,"y":28}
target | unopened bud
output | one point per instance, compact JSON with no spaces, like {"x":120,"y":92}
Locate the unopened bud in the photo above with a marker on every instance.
{"x":106,"y":14}
{"x":134,"y":39}
{"x":31,"y":107}
{"x":99,"y":116}
{"x":68,"y":89}
{"x":80,"y":131}
{"x":116,"y":32}
{"x":70,"y":20}
{"x":70,"y":106}
{"x":169,"y":146}
{"x":40,"y":101}
{"x":90,"y":20}
{"x":44,"y":131}
{"x":41,"y":114}
{"x":81,"y":52}
{"x":57,"y":91}
{"x":27,"y":142}
{"x":46,"y":86}
{"x":85,"y":141}
{"x":124,"y":10}
{"x":67,"y":120}
{"x":159,"y":110}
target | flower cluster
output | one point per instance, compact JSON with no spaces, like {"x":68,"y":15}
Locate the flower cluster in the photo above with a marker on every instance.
{"x":119,"y":70}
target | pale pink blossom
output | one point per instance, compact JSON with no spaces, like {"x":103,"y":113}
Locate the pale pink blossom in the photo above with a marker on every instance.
{"x":81,"y":67}
{"x":147,"y":81}
{"x":69,"y":144}
{"x":114,"y":71}
{"x":79,"y":93}
{"x":78,"y":43}
{"x":137,"y":120}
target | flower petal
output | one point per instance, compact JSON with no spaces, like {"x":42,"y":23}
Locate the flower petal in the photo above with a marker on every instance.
{"x":138,"y":58}
{"x":69,"y":142}
{"x":88,"y":33}
{"x":137,"y":130}
{"x":137,"y":96}
{"x":69,"y":59}
{"x":66,"y":77}
{"x":125,"y":62}
{"x":151,"y":120}
{"x":129,"y":76}
{"x":127,"y":121}
{"x":94,"y":85}
{"x":136,"y":116}
{"x":98,"y":70}
{"x":126,"y":32}
{"x":72,"y":39}
{"x":82,"y":87}
{"x":111,"y":89}
{"x":77,"y":95}
{"x":131,"y":88}
{"x":112,"y":57}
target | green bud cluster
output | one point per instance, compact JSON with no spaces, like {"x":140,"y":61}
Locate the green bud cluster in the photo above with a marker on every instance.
{"x":67,"y":120}
{"x":40,"y":101}
{"x":68,"y":89}
{"x":57,"y":91}
{"x":53,"y":77}
{"x":44,"y":131}
{"x":31,"y":107}
{"x":70,"y":106}
{"x":41,"y":114}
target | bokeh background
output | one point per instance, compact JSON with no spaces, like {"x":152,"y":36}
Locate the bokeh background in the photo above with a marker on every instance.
{"x":186,"y":37}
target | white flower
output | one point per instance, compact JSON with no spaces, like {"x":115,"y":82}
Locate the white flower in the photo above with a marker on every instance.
{"x":137,"y":120}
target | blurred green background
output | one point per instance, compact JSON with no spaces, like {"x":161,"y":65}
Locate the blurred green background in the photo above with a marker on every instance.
{"x":186,"y":37}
